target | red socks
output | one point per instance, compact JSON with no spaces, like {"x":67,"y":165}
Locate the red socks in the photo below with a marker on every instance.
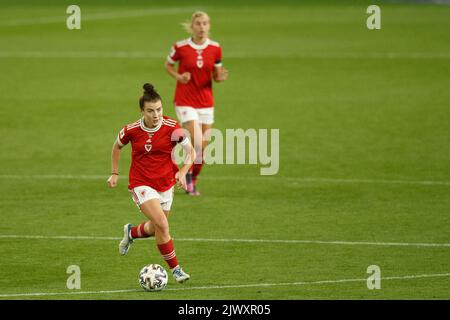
{"x":139,"y":231}
{"x":167,"y":249}
{"x":168,"y":252}
{"x":196,"y":168}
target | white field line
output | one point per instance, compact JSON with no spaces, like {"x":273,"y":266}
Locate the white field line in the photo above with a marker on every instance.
{"x":253,"y":285}
{"x":237,"y":55}
{"x":376,"y":181}
{"x":276,"y":179}
{"x":348,"y":243}
{"x":54,"y":177}
{"x":97,"y":16}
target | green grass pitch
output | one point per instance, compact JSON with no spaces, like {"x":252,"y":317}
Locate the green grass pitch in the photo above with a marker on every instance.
{"x":364,"y":150}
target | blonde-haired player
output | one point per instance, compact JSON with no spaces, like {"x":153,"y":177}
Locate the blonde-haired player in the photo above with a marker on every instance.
{"x":199,"y":62}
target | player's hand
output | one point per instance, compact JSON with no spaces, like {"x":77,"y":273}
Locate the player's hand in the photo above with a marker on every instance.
{"x":184,"y":77}
{"x":112,"y":181}
{"x":181,"y":180}
{"x":221,"y":74}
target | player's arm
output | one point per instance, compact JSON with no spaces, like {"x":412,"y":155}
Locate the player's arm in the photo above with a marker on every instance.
{"x":171,"y":60}
{"x":183,"y":78}
{"x":220,"y":74}
{"x":188,"y":161}
{"x":115,"y":157}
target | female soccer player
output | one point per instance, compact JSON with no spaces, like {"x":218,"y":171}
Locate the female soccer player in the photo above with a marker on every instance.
{"x":153,"y":174}
{"x":200,"y":61}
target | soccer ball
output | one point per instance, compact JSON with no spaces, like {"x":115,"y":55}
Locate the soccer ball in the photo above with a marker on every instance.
{"x":153,"y":277}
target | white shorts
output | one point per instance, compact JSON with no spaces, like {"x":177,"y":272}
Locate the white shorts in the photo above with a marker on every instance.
{"x":202,"y":115}
{"x":144,"y":193}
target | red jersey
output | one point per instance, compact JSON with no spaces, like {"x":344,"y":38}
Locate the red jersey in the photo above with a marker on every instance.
{"x":151,"y":153}
{"x":200,"y":61}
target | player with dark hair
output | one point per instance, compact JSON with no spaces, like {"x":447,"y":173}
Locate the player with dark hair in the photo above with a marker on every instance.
{"x":153,"y":174}
{"x":199,"y":62}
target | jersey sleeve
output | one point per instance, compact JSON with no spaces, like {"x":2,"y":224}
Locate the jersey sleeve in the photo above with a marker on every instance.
{"x":179,"y":135}
{"x":218,"y":57}
{"x":174,"y":55}
{"x":123,"y":137}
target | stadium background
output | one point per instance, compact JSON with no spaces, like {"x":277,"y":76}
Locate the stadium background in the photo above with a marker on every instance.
{"x":364,"y":158}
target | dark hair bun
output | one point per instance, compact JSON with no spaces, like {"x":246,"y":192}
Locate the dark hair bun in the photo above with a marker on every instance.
{"x":148,"y":88}
{"x":150,"y":95}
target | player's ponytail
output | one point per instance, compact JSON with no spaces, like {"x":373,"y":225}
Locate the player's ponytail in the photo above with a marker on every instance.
{"x":150,"y":95}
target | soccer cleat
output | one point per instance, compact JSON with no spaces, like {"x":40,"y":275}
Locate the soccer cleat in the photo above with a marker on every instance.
{"x":194,"y":192}
{"x":179,"y":275}
{"x":127,"y":241}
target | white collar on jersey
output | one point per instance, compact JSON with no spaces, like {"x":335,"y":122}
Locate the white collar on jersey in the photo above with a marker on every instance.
{"x":198,"y":46}
{"x":150,"y":129}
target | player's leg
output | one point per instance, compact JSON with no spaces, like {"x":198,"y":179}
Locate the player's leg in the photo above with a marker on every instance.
{"x":195,"y":132}
{"x":152,"y":209}
{"x":206,"y":134}
{"x":197,"y":167}
{"x":147,"y":229}
{"x":143,"y":230}
{"x":130,"y":232}
{"x":166,"y":199}
{"x":150,"y":228}
{"x":189,"y":118}
{"x":206,"y":119}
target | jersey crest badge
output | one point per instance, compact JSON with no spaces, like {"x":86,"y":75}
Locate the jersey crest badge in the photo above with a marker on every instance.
{"x":199,"y":58}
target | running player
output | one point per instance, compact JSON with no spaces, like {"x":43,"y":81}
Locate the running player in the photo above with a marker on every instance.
{"x":153,"y":174}
{"x":199,"y":61}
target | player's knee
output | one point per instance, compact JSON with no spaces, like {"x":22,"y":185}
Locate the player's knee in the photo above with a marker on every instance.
{"x":162,"y":225}
{"x":149,"y":228}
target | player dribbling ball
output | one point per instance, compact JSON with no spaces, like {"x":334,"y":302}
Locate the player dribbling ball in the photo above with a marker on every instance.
{"x":153,"y":174}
